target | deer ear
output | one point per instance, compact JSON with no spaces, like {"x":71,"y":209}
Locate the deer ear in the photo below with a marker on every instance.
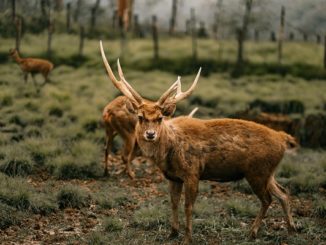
{"x":168,"y":109}
{"x":131,"y":107}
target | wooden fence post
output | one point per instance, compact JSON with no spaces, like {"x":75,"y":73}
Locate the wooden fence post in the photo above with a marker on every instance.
{"x":193,"y":33}
{"x":155,"y":37}
{"x":81,"y":40}
{"x":68,"y":7}
{"x":281,"y":36}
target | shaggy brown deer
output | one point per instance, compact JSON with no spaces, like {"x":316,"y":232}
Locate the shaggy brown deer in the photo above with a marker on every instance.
{"x":120,"y":119}
{"x":32,"y":66}
{"x":188,"y":150}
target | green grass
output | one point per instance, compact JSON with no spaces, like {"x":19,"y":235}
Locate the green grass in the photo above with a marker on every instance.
{"x":51,"y":143}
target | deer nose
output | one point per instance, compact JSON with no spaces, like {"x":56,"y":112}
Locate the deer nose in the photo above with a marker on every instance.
{"x":150,"y":134}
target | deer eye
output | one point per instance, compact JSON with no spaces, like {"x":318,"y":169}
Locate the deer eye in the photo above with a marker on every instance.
{"x":159,"y":120}
{"x":140,"y":118}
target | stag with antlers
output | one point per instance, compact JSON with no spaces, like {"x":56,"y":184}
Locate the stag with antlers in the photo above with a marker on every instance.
{"x":188,"y":150}
{"x":120,"y":119}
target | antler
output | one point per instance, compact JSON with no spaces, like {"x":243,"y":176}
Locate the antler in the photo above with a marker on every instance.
{"x":182,"y":95}
{"x":169,"y":92}
{"x":123,"y":85}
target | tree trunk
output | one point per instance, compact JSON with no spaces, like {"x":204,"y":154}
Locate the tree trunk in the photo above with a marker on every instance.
{"x":155,"y":37}
{"x":173,"y":17}
{"x":242,"y":32}
{"x":93,"y":14}
{"x":18,"y":24}
{"x":50,"y":32}
{"x":68,"y":17}
{"x":193,"y":33}
{"x":77,"y":10}
{"x":81,"y":41}
{"x":13,"y":9}
{"x":281,"y":36}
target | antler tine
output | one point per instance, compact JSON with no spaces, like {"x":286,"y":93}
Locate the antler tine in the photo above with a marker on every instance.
{"x":118,"y":84}
{"x":168,"y":93}
{"x":182,"y":95}
{"x":131,"y":90}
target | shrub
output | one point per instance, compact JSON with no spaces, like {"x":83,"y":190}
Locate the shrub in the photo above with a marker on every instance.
{"x":16,"y":162}
{"x":241,"y":208}
{"x":320,"y":208}
{"x":6,"y":101}
{"x":9,"y":216}
{"x":56,"y":112}
{"x":112,"y":224}
{"x":16,"y":119}
{"x":288,"y":170}
{"x":43,"y":204}
{"x":72,"y":197}
{"x":97,"y":238}
{"x":305,"y":183}
{"x":149,"y":217}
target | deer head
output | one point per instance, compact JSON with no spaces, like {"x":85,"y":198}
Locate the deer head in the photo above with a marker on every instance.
{"x":151,"y":115}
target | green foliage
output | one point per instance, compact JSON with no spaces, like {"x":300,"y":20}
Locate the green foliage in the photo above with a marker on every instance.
{"x":71,"y":196}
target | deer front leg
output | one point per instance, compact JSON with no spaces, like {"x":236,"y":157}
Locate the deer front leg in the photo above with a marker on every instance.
{"x":131,"y":156}
{"x":191,"y":190}
{"x":175,"y":193}
{"x":25,"y":77}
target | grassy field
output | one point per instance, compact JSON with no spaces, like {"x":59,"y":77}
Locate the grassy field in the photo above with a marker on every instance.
{"x":51,"y":149}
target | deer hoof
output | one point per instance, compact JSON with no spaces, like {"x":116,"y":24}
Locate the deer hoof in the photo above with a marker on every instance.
{"x":186,"y":240}
{"x":131,"y":174}
{"x":174,"y":234}
{"x":253,"y":233}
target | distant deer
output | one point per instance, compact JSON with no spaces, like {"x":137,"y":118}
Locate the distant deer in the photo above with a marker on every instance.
{"x":188,"y":150}
{"x":120,"y":119}
{"x":32,"y":66}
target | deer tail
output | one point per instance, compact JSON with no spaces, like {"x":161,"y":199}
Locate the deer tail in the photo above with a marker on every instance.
{"x":290,"y":141}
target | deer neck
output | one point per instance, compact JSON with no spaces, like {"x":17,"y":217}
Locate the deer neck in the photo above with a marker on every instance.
{"x":17,"y":58}
{"x":158,"y":151}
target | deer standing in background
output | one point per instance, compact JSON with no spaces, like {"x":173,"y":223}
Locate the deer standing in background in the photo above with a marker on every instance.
{"x":32,"y":66}
{"x":188,"y":150}
{"x":120,"y":119}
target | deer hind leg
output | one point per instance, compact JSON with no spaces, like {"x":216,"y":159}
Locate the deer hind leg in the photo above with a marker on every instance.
{"x":175,"y":193}
{"x":191,"y":190}
{"x":259,"y":187}
{"x":108,"y":147}
{"x":281,"y":194}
